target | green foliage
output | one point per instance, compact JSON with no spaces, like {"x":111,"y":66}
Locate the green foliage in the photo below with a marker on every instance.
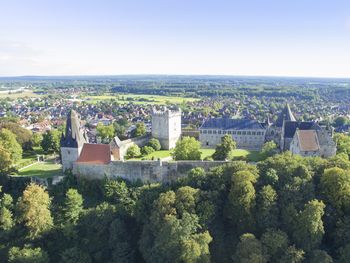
{"x":146,"y":150}
{"x":34,"y":209}
{"x":133,"y":152}
{"x":335,"y":183}
{"x":340,"y":121}
{"x":293,"y":255}
{"x":309,"y":230}
{"x":6,"y":219}
{"x":75,"y":255}
{"x":73,"y":206}
{"x":343,"y":143}
{"x":51,"y":141}
{"x":23,"y":136}
{"x":9,"y":143}
{"x":249,"y":250}
{"x":269,"y":149}
{"x":275,"y":243}
{"x":224,"y":149}
{"x":36,"y":139}
{"x":188,"y":148}
{"x":155,"y":144}
{"x":106,"y":133}
{"x":27,"y":255}
{"x":139,"y":130}
{"x":5,"y":160}
{"x":319,"y":256}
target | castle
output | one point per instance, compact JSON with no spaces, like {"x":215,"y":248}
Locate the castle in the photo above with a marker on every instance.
{"x":75,"y":148}
{"x":306,"y":138}
{"x":100,"y":160}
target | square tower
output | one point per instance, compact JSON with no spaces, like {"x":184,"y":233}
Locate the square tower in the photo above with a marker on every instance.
{"x":166,"y":127}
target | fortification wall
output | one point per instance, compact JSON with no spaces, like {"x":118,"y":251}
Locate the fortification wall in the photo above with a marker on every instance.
{"x":146,"y":171}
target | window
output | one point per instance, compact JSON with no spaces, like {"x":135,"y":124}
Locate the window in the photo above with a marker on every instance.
{"x":234,"y":132}
{"x":209,"y":132}
{"x":244,"y":132}
{"x":253,"y":133}
{"x":224,"y":132}
{"x":214,"y":131}
{"x":249,"y":133}
{"x":239,"y":132}
{"x":229,"y":132}
{"x":200,"y":131}
{"x":219,"y":132}
{"x":205,"y":131}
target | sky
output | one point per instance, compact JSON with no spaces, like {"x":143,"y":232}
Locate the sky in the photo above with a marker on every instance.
{"x":219,"y":37}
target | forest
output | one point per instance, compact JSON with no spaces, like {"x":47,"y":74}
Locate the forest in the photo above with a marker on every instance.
{"x":284,"y":209}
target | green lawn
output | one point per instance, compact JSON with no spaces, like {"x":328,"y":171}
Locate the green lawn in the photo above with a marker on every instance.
{"x":206,"y":153}
{"x":44,"y":169}
{"x":29,"y":94}
{"x":29,"y":157}
{"x":140,"y":99}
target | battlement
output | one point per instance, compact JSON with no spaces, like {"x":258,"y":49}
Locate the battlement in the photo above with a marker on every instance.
{"x":166,"y":113}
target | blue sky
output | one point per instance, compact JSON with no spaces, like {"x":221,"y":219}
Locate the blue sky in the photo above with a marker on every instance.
{"x":232,"y":37}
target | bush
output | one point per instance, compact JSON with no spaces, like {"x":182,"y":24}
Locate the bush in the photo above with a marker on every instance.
{"x":146,"y":150}
{"x":155,"y":144}
{"x":133,"y":152}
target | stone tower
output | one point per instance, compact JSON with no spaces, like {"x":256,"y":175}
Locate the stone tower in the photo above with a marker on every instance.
{"x":166,"y":127}
{"x":72,"y":141}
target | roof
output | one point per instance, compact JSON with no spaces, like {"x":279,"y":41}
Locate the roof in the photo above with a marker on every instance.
{"x":231,"y":124}
{"x":308,"y":140}
{"x":95,"y":154}
{"x":291,"y":126}
{"x":285,"y":115}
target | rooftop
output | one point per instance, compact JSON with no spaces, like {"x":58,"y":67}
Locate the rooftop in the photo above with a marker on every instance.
{"x":308,"y":140}
{"x":95,"y":154}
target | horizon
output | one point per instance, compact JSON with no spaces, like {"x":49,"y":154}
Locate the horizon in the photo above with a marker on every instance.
{"x":223,"y":38}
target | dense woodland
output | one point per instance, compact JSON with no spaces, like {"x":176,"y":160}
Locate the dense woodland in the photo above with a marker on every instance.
{"x":284,"y":209}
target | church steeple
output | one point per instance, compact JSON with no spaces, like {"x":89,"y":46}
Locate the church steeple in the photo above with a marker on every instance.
{"x":73,"y":137}
{"x":285,"y":115}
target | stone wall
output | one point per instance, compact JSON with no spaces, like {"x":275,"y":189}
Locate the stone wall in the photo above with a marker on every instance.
{"x":146,"y":171}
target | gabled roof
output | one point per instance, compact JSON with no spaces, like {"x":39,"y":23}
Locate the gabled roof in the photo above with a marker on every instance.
{"x":285,"y":115}
{"x":291,"y":126}
{"x":308,"y":140}
{"x":95,"y":154}
{"x":231,"y":124}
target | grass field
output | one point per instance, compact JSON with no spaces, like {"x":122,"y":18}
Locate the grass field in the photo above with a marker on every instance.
{"x":19,"y":95}
{"x":43,"y":169}
{"x":140,"y":99}
{"x":252,"y":156}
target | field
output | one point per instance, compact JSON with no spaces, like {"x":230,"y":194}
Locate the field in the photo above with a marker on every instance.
{"x":252,"y":156}
{"x":29,"y":94}
{"x":140,"y":99}
{"x":43,"y":169}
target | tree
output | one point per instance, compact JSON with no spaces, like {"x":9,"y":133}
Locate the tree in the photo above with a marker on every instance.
{"x":51,"y":141}
{"x":249,"y":250}
{"x":133,"y":152}
{"x":267,"y":210}
{"x":27,"y":255}
{"x":75,"y":255}
{"x":340,"y":121}
{"x":275,"y":243}
{"x":5,"y":160}
{"x":292,"y":255}
{"x":146,"y":150}
{"x":269,"y":149}
{"x":6,"y":219}
{"x":73,"y":206}
{"x":106,"y":133}
{"x":34,"y":210}
{"x":139,"y":130}
{"x":319,"y":256}
{"x":224,"y":149}
{"x":188,"y":148}
{"x":241,"y":201}
{"x":155,"y":144}
{"x":343,"y":143}
{"x":335,"y":184}
{"x":309,"y":230}
{"x":36,"y":139}
{"x":8,"y":141}
{"x":23,"y":136}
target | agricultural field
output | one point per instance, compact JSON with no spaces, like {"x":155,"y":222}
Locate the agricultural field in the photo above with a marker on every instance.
{"x":29,"y":94}
{"x":140,"y":99}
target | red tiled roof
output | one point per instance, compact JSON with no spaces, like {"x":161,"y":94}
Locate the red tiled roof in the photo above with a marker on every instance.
{"x":95,"y":154}
{"x":308,"y":140}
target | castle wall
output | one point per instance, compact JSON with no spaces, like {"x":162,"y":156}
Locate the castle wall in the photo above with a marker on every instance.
{"x":146,"y":171}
